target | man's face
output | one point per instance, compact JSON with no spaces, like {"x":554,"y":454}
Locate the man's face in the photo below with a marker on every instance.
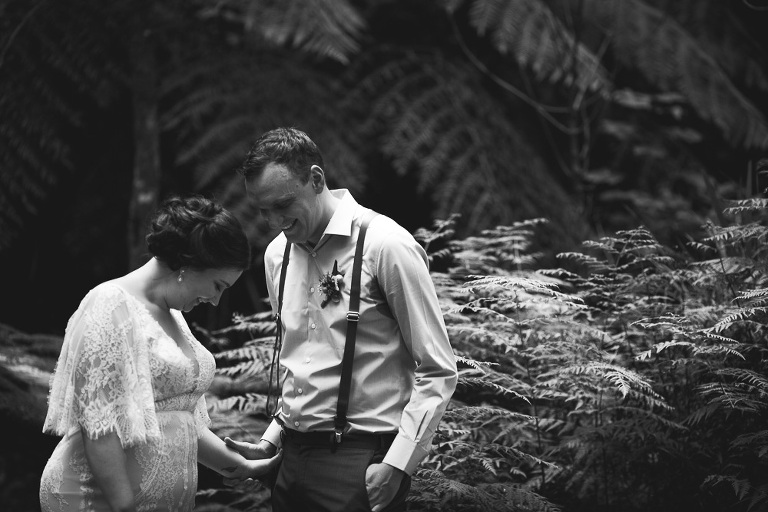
{"x":288,"y":204}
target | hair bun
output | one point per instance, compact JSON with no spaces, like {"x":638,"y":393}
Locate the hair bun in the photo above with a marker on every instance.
{"x":196,"y":232}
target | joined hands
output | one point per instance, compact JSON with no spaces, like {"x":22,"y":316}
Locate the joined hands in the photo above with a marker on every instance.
{"x":263,"y":460}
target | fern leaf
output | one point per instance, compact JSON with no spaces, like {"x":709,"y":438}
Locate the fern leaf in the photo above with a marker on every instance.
{"x":326,"y":28}
{"x":647,"y":40}
{"x":535,"y":38}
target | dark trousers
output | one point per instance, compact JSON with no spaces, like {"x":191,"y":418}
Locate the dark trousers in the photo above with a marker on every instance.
{"x":314,"y":478}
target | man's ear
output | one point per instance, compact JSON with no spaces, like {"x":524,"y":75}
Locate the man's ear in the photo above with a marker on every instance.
{"x":317,"y":177}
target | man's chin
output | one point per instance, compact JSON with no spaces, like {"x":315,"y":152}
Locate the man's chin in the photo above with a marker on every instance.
{"x":293,"y":237}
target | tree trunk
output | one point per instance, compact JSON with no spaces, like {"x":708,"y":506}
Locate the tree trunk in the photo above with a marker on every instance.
{"x":146,"y":135}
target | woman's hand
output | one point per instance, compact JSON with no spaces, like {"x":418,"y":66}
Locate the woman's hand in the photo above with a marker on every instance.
{"x":262,"y":467}
{"x":262,"y":460}
{"x":263,"y":450}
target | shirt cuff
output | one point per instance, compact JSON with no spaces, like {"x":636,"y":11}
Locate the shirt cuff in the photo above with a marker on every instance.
{"x":404,"y":454}
{"x":272,"y":434}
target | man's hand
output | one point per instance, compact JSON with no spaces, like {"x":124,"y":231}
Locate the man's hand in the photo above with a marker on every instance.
{"x":263,"y":450}
{"x":382,"y":482}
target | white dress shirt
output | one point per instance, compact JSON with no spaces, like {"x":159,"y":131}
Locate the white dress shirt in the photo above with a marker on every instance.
{"x":404,"y":370}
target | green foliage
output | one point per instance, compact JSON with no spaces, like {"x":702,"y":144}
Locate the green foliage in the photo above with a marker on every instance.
{"x":326,"y":28}
{"x":55,"y":63}
{"x":673,"y":60}
{"x":536,"y":38}
{"x":629,"y":378}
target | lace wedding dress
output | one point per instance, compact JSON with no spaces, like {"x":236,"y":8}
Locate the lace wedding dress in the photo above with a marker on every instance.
{"x":120,"y":372}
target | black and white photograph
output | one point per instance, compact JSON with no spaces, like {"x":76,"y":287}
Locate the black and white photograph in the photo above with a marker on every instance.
{"x":384,"y":256}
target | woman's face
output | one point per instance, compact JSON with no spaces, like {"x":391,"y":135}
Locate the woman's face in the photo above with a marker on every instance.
{"x":198,"y":286}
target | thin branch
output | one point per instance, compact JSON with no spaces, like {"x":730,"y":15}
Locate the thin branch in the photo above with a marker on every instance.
{"x":541,"y":109}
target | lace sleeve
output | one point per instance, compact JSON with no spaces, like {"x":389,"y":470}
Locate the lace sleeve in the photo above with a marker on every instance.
{"x":102,"y":382}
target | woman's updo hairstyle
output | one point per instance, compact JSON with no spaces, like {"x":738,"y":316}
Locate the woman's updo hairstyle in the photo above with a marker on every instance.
{"x":198,"y":233}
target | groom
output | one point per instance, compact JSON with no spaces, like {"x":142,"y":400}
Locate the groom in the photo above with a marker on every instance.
{"x":403,"y":369}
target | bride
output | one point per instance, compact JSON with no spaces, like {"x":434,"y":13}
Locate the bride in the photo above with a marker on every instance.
{"x":127,"y":394}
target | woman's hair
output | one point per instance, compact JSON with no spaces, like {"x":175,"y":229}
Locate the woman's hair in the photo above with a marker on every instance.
{"x":195,"y":232}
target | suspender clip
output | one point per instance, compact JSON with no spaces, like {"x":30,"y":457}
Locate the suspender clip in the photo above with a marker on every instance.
{"x":353,"y":316}
{"x":335,"y":439}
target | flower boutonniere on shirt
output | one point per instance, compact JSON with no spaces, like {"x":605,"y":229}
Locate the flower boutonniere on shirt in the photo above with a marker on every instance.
{"x":331,"y":284}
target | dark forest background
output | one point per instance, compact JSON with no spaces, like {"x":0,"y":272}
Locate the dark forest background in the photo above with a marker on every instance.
{"x":597,"y":115}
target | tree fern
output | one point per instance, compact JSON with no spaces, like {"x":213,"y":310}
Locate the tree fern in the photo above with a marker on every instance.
{"x":214,"y":122}
{"x":634,"y":368}
{"x":644,"y":38}
{"x":55,"y":62}
{"x":326,"y":28}
{"x":426,"y":110}
{"x":723,"y":35}
{"x":537,"y":39}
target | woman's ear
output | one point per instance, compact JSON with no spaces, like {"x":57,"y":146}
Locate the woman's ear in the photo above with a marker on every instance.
{"x":317,"y":176}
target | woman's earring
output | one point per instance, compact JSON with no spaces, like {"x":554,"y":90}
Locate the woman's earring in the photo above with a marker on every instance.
{"x":181,"y":275}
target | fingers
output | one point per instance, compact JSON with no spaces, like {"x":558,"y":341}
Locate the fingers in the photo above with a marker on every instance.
{"x":382,"y":483}
{"x":249,"y":484}
{"x":266,"y":466}
{"x":237,"y":445}
{"x":275,"y":461}
{"x":244,"y":448}
{"x":231,"y":482}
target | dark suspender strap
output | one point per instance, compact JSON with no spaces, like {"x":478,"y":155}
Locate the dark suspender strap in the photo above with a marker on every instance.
{"x":286,"y":257}
{"x":275,"y":366}
{"x":353,"y":316}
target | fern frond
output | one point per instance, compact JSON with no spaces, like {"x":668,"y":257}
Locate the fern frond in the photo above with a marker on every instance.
{"x":623,"y":379}
{"x":477,"y":365}
{"x":57,"y":68}
{"x":536,"y":39}
{"x":754,"y":204}
{"x":481,"y":384}
{"x":739,"y":316}
{"x":437,"y":125}
{"x":248,"y":403}
{"x":325,"y":28}
{"x":649,"y":41}
{"x":484,"y":414}
{"x":741,"y":486}
{"x":433,"y":488}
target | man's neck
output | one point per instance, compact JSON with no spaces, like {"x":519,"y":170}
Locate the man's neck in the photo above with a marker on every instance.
{"x":329,"y":204}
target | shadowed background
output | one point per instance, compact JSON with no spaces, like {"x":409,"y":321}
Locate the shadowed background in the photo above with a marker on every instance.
{"x":598,"y":115}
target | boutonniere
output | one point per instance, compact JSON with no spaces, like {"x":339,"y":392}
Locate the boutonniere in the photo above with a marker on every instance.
{"x":331,"y":284}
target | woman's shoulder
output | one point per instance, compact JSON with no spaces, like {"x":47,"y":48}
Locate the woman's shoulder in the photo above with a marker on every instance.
{"x":106,"y":297}
{"x":107,"y":290}
{"x":103,"y":307}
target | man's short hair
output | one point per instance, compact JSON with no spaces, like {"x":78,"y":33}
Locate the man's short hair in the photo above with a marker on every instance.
{"x":287,"y":146}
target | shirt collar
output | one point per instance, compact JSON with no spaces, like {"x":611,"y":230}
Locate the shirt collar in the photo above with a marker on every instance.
{"x":341,"y":221}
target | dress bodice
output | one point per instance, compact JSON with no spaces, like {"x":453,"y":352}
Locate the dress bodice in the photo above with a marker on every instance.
{"x":177,"y":380}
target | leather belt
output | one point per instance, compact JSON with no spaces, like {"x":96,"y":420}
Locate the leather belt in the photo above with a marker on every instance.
{"x":349,"y":440}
